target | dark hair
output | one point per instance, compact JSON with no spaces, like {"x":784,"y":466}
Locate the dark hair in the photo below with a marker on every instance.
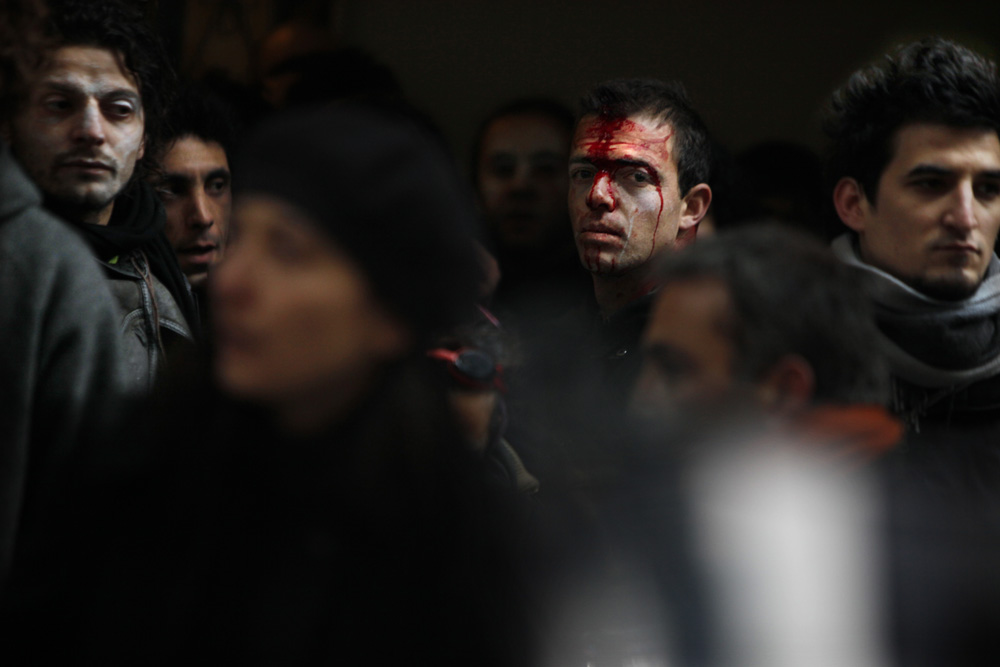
{"x":198,"y":112}
{"x":929,"y":81}
{"x":112,"y":25}
{"x":790,"y":295}
{"x":21,"y":48}
{"x":382,"y":186}
{"x":557,"y":112}
{"x":665,"y":100}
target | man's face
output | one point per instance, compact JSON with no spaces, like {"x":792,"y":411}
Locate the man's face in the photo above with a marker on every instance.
{"x":687,"y":349}
{"x":624,"y":200}
{"x":937,"y":211}
{"x":522,"y":181}
{"x":196,"y":194}
{"x":79,"y":132}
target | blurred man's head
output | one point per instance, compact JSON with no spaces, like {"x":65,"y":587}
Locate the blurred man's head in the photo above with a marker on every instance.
{"x":519,"y":167}
{"x":759,"y":316}
{"x":915,"y":155}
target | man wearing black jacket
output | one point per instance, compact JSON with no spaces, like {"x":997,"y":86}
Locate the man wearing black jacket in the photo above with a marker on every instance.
{"x":81,"y":130}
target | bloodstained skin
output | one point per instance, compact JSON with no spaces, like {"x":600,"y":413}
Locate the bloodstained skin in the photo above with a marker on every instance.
{"x":600,"y":139}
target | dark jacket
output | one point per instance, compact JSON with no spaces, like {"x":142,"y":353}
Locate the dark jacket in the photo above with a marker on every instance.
{"x":377,"y":542}
{"x":61,"y":363}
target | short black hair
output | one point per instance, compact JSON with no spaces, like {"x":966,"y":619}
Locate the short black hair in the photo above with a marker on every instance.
{"x":198,"y":112}
{"x":929,"y":81}
{"x":665,"y":100}
{"x":122,"y":29}
{"x":791,"y":295}
{"x":556,"y":111}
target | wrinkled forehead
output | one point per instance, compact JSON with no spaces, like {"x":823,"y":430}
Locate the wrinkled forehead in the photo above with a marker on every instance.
{"x":87,"y":66}
{"x":602,"y":136}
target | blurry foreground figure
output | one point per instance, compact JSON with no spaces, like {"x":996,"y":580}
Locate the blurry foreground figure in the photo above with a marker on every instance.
{"x":765,"y":322}
{"x":322,"y":507}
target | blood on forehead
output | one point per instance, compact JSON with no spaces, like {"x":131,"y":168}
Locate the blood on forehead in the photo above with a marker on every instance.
{"x":603,"y":134}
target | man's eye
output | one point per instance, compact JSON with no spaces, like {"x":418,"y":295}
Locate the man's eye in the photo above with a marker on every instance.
{"x":987,"y":190}
{"x":120,"y":109}
{"x":930,"y":184}
{"x":641,"y":177}
{"x":217,"y":186}
{"x":581,"y":174}
{"x":57,"y":104}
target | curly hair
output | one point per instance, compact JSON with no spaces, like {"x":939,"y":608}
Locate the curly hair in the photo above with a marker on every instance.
{"x":113,"y":25}
{"x":621,"y":98}
{"x":929,"y":81}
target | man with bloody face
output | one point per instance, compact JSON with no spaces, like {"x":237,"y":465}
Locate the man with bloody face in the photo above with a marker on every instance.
{"x":638,"y":168}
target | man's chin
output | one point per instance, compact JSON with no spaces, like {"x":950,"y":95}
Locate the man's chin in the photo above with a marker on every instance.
{"x":946,"y":288}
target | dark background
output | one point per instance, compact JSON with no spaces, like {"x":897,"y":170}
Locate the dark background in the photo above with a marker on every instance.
{"x":756,"y":71}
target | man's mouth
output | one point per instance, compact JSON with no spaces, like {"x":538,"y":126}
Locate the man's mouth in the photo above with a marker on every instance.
{"x":87,"y":164}
{"x":958,"y":246}
{"x":200,"y":253}
{"x":600,"y":233}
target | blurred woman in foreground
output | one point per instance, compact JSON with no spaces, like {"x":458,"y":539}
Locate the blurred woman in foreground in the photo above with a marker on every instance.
{"x":320,"y":506}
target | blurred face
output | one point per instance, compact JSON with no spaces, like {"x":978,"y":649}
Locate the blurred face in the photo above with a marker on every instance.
{"x":937,"y":211}
{"x":196,"y":194}
{"x":79,"y":132}
{"x":624,"y":200}
{"x":299,"y":329}
{"x":687,"y":351}
{"x":522,"y":181}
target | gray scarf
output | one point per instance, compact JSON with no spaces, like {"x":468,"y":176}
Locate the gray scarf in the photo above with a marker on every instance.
{"x":929,"y":342}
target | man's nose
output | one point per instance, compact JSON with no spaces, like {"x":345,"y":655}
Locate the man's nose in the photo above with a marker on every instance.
{"x":601,"y":192}
{"x":961,"y":212}
{"x":200,"y":213}
{"x":89,"y":128}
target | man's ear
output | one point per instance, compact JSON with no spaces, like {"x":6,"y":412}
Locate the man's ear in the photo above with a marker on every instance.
{"x":142,"y":148}
{"x":851,"y":204}
{"x":788,"y":387}
{"x":694,"y":206}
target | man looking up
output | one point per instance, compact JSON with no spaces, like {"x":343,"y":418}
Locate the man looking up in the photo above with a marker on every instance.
{"x":915,"y":157}
{"x":195,"y":182}
{"x":81,"y":131}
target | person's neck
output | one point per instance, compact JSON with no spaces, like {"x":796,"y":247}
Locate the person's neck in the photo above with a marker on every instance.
{"x":614,"y":292}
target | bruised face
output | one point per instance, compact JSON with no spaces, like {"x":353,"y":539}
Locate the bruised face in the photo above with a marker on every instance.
{"x":299,"y":329}
{"x":522,"y":181}
{"x":625,"y":204}
{"x":79,"y":132}
{"x":196,"y":195}
{"x":937,"y":212}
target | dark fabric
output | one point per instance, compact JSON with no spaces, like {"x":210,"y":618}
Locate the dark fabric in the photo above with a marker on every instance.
{"x":377,"y":542}
{"x":957,"y":340}
{"x":62,"y":373}
{"x":137,"y":222}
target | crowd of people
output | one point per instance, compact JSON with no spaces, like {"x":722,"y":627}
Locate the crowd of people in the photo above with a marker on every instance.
{"x":289,"y":387}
